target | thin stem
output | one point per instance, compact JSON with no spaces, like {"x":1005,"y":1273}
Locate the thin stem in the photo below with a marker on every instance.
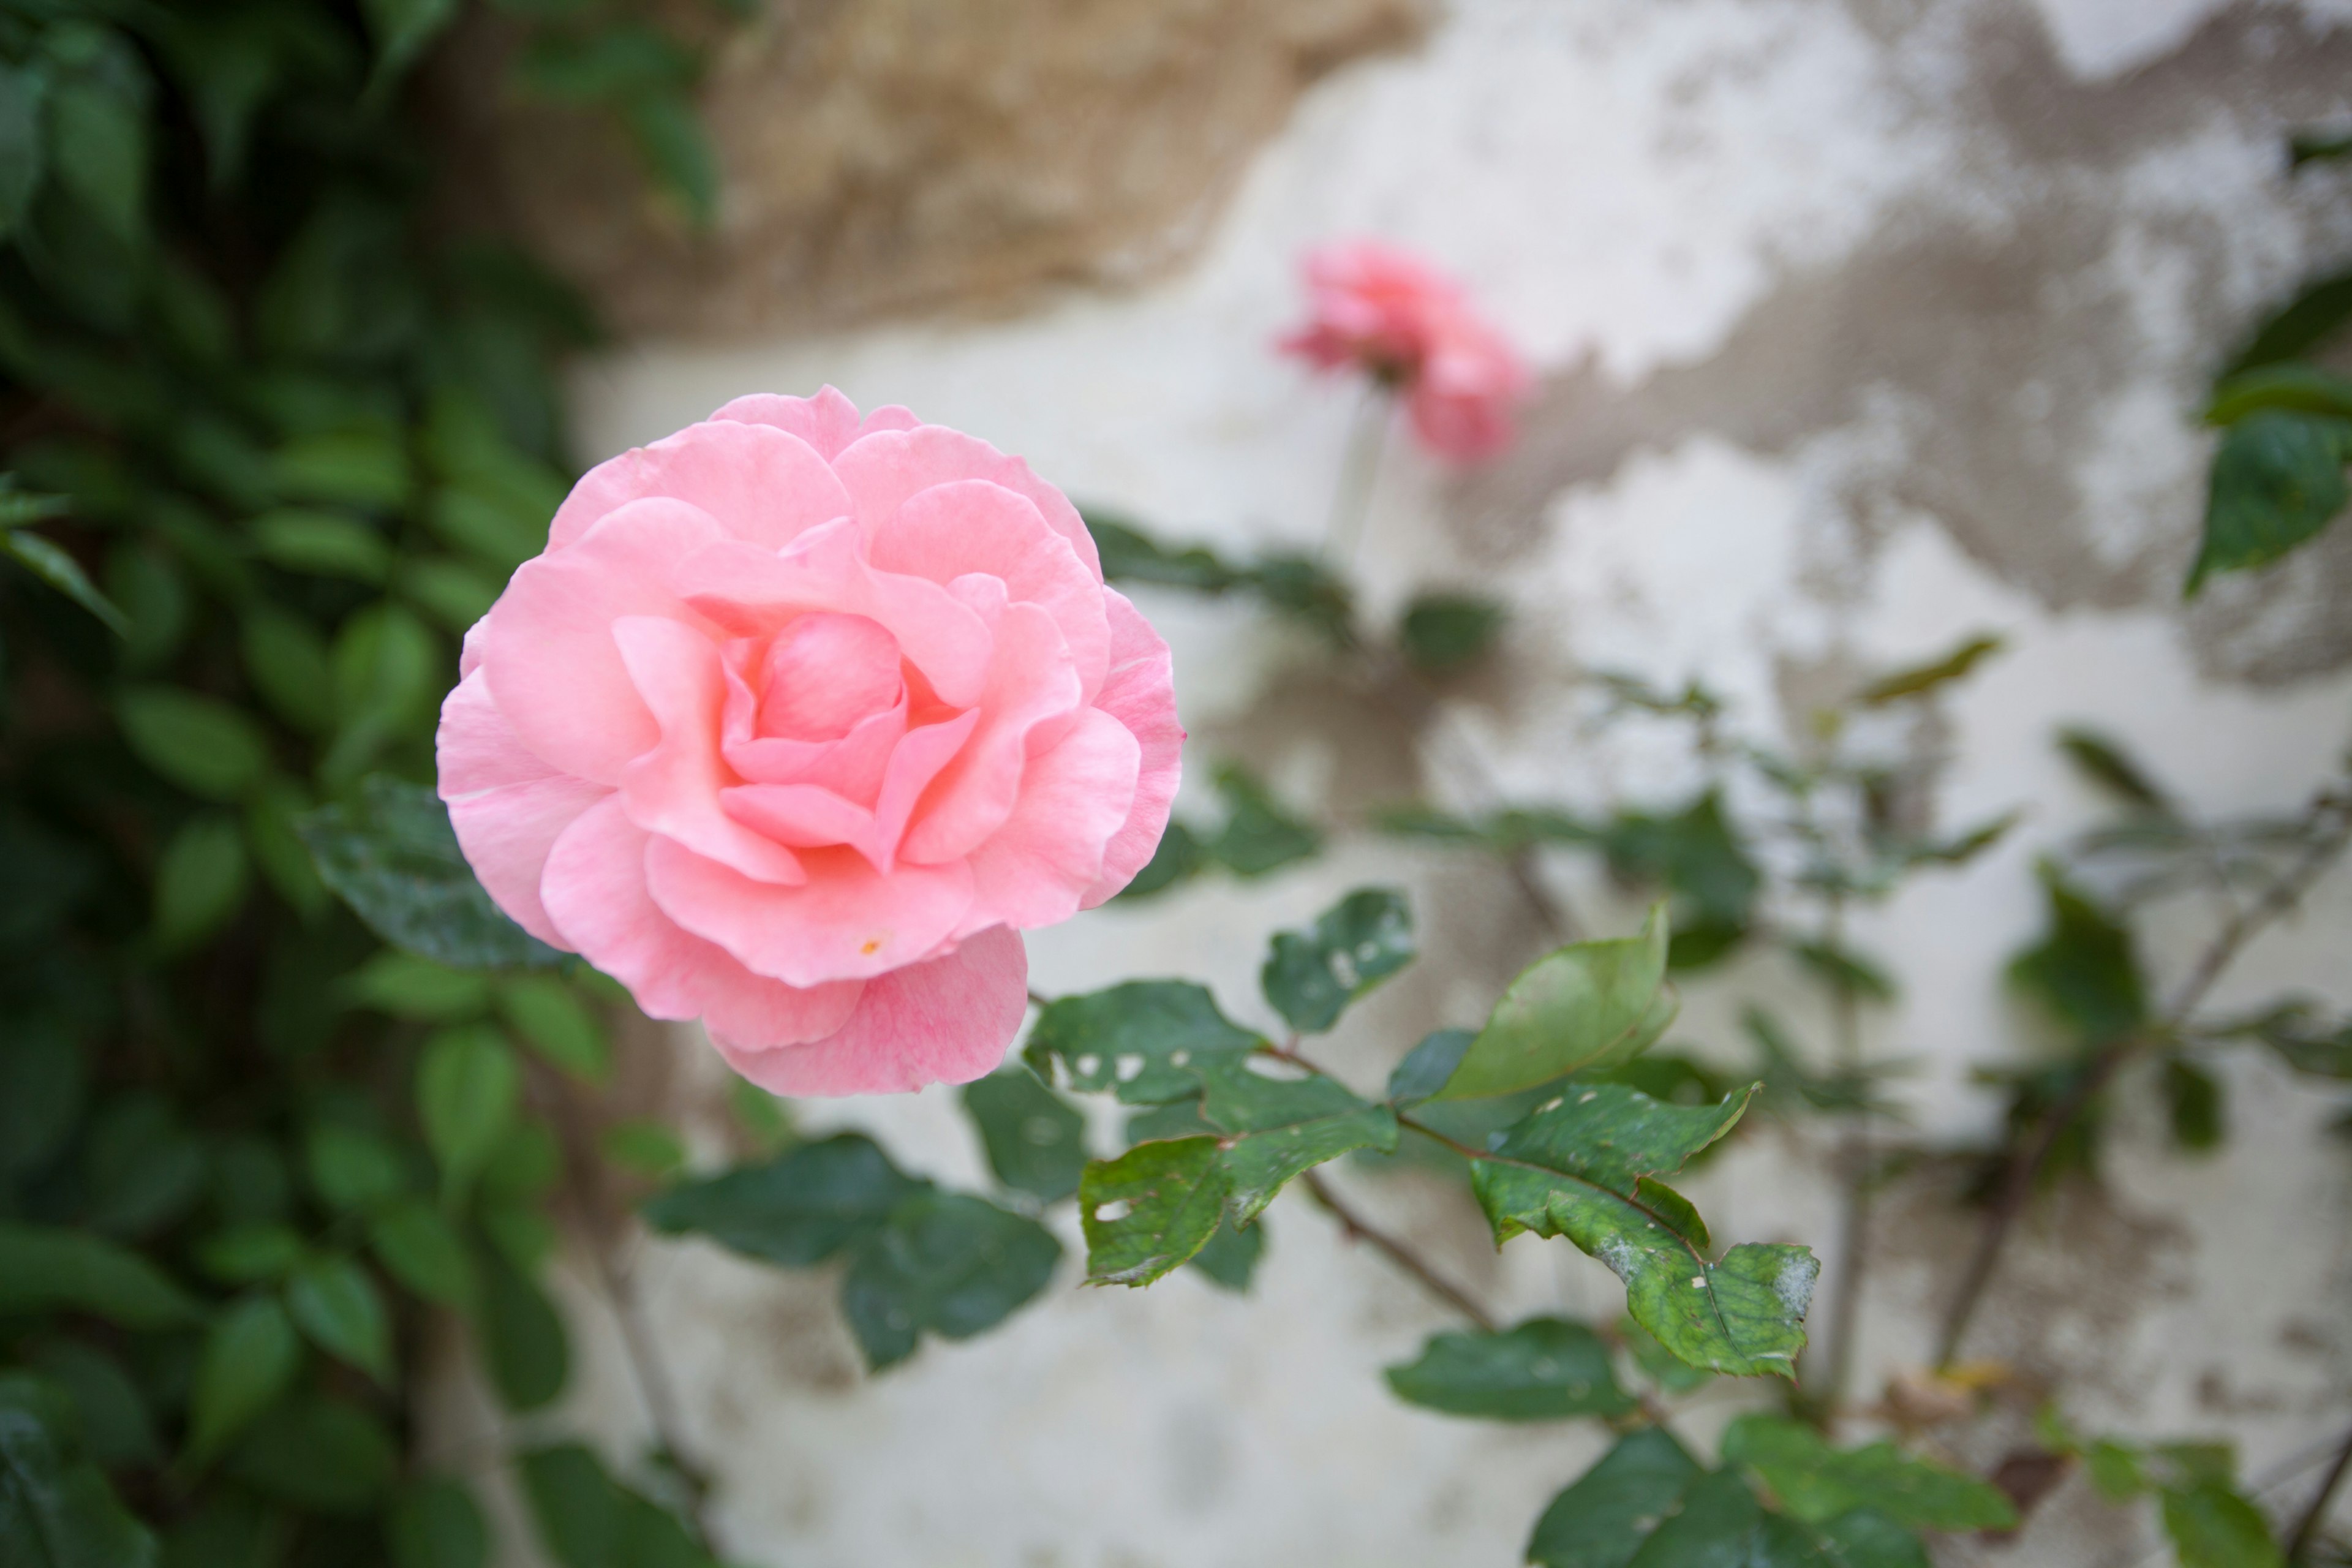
{"x":1853,"y":1159}
{"x":1357,"y":1228}
{"x":2306,"y":1529}
{"x":2329,"y":817}
{"x":1351,"y":502}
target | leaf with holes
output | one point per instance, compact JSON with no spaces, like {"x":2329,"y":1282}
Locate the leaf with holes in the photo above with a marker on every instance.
{"x":1135,"y":1040}
{"x":1817,"y":1483}
{"x":945,"y":1263}
{"x":1035,"y":1140}
{"x":1151,"y":1209}
{"x":1545,"y":1369}
{"x":1311,"y":977}
{"x":1281,"y":1120}
{"x":1587,"y":1004}
{"x":797,"y":1210}
{"x":1585,"y":1166}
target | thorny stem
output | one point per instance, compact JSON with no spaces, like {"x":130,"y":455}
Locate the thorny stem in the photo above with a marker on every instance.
{"x":2306,"y":1529}
{"x":2329,"y":817}
{"x":596,"y":1207}
{"x":1351,"y":503}
{"x":1357,"y":1228}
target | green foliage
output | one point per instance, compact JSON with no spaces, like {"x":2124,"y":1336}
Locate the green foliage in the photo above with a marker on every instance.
{"x":1545,"y":1369}
{"x":1921,"y":679}
{"x":1259,"y":836}
{"x":1294,"y":587}
{"x":1138,"y":1040}
{"x":587,"y":1519}
{"x":1817,"y":1483}
{"x":1035,"y":1140}
{"x":1311,"y":977}
{"x":2277,"y":481}
{"x":56,"y":1508}
{"x":1587,"y":1004}
{"x":2210,"y":1521}
{"x":1151,"y":1209}
{"x":1445,"y":633}
{"x":2084,"y":972}
{"x":1602,"y":1520}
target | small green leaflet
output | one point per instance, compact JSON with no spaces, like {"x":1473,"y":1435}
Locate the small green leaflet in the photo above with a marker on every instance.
{"x":1151,"y":1209}
{"x":1817,"y":1483}
{"x":436,"y":1523}
{"x":336,"y":1305}
{"x":1587,"y":1004}
{"x":1311,"y":977}
{"x":51,"y":1269}
{"x":2212,"y":1526}
{"x":797,"y":1210}
{"x":56,"y":1508}
{"x":1647,"y":1504}
{"x":1035,"y":1140}
{"x":2085,"y":970}
{"x":1582,"y":1166}
{"x":467,"y":1085}
{"x":1282,"y":1121}
{"x":2277,"y":481}
{"x":518,"y":1334}
{"x":248,"y":1359}
{"x":1441,"y":634}
{"x":1920,"y":680}
{"x":1135,"y":1040}
{"x":1602,"y":1520}
{"x":947,"y":1264}
{"x":1545,"y":1369}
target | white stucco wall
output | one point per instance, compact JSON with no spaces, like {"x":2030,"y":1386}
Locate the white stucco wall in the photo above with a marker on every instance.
{"x":1631,"y":186}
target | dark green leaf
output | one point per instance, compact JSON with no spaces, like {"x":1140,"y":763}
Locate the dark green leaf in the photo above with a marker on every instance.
{"x":946,"y":1263}
{"x":279,"y":850}
{"x":56,"y":1509}
{"x":1282,"y":1121}
{"x":1920,"y":680}
{"x":333,"y":1302}
{"x":43,"y":1082}
{"x":286,"y":660}
{"x":1817,"y":1483}
{"x":200,"y":743}
{"x":2319,"y":308}
{"x":1545,"y":1369}
{"x":1129,"y":555}
{"x":2085,"y":970}
{"x":1259,"y":836}
{"x":111,"y":1414}
{"x":200,"y":882}
{"x":62,"y":572}
{"x":1136,"y":1040}
{"x":521,"y":1338}
{"x":46,"y":1269}
{"x":553,"y":1021}
{"x":2277,"y":481}
{"x":2297,"y":387}
{"x":1178,"y":858}
{"x":1230,"y":1257}
{"x":320,"y":1454}
{"x":2212,"y":1527}
{"x":2193,"y":1096}
{"x":2104,"y":763}
{"x":418,"y":1247}
{"x":391,"y":855}
{"x":98,"y":140}
{"x":1694,"y":853}
{"x":402,"y":28}
{"x":468,"y":1084}
{"x":321,"y":545}
{"x":1311,"y":977}
{"x":436,"y":1523}
{"x":250,"y":1254}
{"x":2312,"y":147}
{"x":1035,"y":1140}
{"x":1844,"y":969}
{"x":797,"y":1210}
{"x":249,"y":1358}
{"x":1587,"y":1004}
{"x":23,"y":142}
{"x":1426,"y":1067}
{"x":365,"y":465}
{"x":670,"y":141}
{"x":1442,"y":633}
{"x":1602,"y":1520}
{"x":1715,"y":1524}
{"x":575,"y":1505}
{"x":351,"y":1169}
{"x":1151,"y":1209}
{"x":607,"y":64}
{"x":406,"y":986}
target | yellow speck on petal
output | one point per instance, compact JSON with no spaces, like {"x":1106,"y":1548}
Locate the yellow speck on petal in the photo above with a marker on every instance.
{"x":873,"y":945}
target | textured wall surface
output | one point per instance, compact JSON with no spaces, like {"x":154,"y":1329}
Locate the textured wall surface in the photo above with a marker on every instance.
{"x":1864,"y":325}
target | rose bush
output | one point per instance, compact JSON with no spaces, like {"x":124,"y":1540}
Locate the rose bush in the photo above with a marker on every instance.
{"x":1374,"y":308}
{"x":797,"y":722}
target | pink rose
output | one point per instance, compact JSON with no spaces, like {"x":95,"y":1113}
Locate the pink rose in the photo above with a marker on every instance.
{"x":797,"y":722}
{"x":1393,"y":315}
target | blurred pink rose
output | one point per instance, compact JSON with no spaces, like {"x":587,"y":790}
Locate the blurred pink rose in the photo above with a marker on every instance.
{"x":797,"y":722}
{"x":1391,"y":314}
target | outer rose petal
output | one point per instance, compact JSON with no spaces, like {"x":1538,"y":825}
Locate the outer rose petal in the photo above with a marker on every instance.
{"x":1140,"y":694}
{"x":595,"y":889}
{"x":850,"y":923}
{"x":763,"y":484}
{"x":946,"y":1021}
{"x":1035,"y":870}
{"x":882,"y":470}
{"x":507,"y":807}
{"x":827,"y":422}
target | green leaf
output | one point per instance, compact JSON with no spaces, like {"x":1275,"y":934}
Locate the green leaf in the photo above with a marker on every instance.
{"x":1135,"y":1040}
{"x":1587,"y":1004}
{"x":406,"y":986}
{"x":1658,"y":1363}
{"x":248,"y":1359}
{"x":1130,"y":555}
{"x":2296,"y":387}
{"x":56,"y":1509}
{"x":1259,"y":836}
{"x":23,"y":142}
{"x":2277,"y":481}
{"x":1921,"y":679}
{"x":62,"y":572}
{"x":1282,"y":1121}
{"x":98,"y":140}
{"x":391,"y":856}
{"x":1602,"y":1520}
{"x":521,"y":1338}
{"x":436,"y":1523}
{"x":553,"y":1021}
{"x":321,"y":545}
{"x":2318,"y":309}
{"x":1178,"y":858}
{"x":468,"y":1084}
{"x":418,"y":1247}
{"x":45,"y":1268}
{"x":200,"y":880}
{"x":333,"y":1302}
{"x":575,"y":1505}
{"x":1694,"y":852}
{"x":1545,"y":1369}
{"x":1311,"y":977}
{"x":945,"y":1263}
{"x":797,"y":1210}
{"x":286,"y":658}
{"x":320,"y":1453}
{"x":365,"y":465}
{"x":648,"y":1147}
{"x":1845,"y":971}
{"x":451,"y":592}
{"x":278,"y":849}
{"x":351,"y":1169}
{"x":1230,"y":1257}
{"x":1583,"y":1166}
{"x":2104,"y":763}
{"x":1715,"y":1524}
{"x":1443,"y":633}
{"x":250,"y":1254}
{"x":2085,"y":970}
{"x":44,"y":1081}
{"x":200,"y":744}
{"x":1426,"y":1067}
{"x":2193,"y":1096}
{"x":1151,"y":1209}
{"x":402,"y":29}
{"x":1817,"y":1483}
{"x":670,"y":141}
{"x":2212,"y":1527}
{"x":1035,"y":1140}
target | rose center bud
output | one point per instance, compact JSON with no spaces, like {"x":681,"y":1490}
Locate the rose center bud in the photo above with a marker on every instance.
{"x":823,"y":672}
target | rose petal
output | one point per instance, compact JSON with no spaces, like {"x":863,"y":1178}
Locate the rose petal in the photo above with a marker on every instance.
{"x":883,"y":470}
{"x":1035,"y":869}
{"x":850,"y":923}
{"x":1032,"y":699}
{"x":827,"y":422}
{"x":594,"y":888}
{"x":851,"y":767}
{"x":674,"y":789}
{"x":1140,"y":694}
{"x":800,"y":814}
{"x":765,"y":485}
{"x":949,"y":1020}
{"x":507,"y":807}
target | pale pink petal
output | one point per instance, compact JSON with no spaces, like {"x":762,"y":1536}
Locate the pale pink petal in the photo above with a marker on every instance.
{"x":978,"y":526}
{"x":550,"y":655}
{"x":673,"y":789}
{"x":824,"y":673}
{"x":1031,"y":701}
{"x":918,"y":760}
{"x":594,"y":887}
{"x":469,"y":652}
{"x":949,"y":1020}
{"x":801,"y":815}
{"x":851,"y":767}
{"x":850,"y":923}
{"x":751,"y":591}
{"x":882,"y":470}
{"x":507,"y":807}
{"x":1140,"y":694}
{"x":1035,"y":869}
{"x":827,"y":422}
{"x":765,"y":485}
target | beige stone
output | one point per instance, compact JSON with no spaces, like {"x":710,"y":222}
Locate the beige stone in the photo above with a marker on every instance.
{"x":886,"y":156}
